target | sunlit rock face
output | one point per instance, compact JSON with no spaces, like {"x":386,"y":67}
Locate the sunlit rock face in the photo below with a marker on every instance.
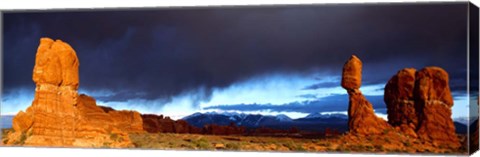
{"x":419,"y":104}
{"x":59,"y":116}
{"x":361,"y":117}
{"x":352,"y":73}
{"x":433,"y":101}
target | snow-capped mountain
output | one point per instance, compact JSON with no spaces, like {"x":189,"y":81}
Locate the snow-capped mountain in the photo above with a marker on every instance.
{"x":282,"y":117}
{"x":327,"y":115}
{"x":226,"y":118}
{"x":281,"y":121}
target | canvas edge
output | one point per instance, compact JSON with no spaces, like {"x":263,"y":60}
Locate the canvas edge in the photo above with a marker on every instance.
{"x":473,"y":65}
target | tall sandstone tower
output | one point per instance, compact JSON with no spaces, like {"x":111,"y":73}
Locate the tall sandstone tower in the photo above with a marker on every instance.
{"x":59,"y":116}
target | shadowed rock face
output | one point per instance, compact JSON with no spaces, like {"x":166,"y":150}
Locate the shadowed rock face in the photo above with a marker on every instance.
{"x":361,"y":118}
{"x":400,"y":101}
{"x":419,"y":104}
{"x":58,"y":116}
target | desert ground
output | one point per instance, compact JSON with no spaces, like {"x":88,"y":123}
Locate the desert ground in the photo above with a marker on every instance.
{"x":390,"y":142}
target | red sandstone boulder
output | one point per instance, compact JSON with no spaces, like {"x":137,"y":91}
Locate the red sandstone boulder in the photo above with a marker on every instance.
{"x":352,"y":73}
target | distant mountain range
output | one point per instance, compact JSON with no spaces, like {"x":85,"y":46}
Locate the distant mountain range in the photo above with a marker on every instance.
{"x":311,"y":122}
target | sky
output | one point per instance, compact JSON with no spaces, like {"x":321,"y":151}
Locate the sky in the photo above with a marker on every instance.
{"x":256,"y":59}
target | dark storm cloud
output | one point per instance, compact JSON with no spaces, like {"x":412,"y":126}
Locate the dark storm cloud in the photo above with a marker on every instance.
{"x":326,"y":104}
{"x":164,"y":52}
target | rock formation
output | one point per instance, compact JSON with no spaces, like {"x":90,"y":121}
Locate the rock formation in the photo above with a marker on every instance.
{"x":400,"y":101}
{"x":59,"y":116}
{"x":433,"y":102}
{"x":94,"y":122}
{"x":160,"y":124}
{"x":419,"y":104}
{"x":361,"y":118}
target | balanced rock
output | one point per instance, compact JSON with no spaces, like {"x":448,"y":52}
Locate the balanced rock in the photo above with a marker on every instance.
{"x":361,"y":117}
{"x":433,"y":101}
{"x":400,"y":101}
{"x":352,"y":73}
{"x":60,"y":117}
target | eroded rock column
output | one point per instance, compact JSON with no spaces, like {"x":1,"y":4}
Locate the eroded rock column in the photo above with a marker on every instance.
{"x":52,"y":114}
{"x":60,"y":117}
{"x":361,"y":118}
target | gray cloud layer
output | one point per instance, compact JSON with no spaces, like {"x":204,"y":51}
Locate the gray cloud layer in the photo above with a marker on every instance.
{"x":160,"y":53}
